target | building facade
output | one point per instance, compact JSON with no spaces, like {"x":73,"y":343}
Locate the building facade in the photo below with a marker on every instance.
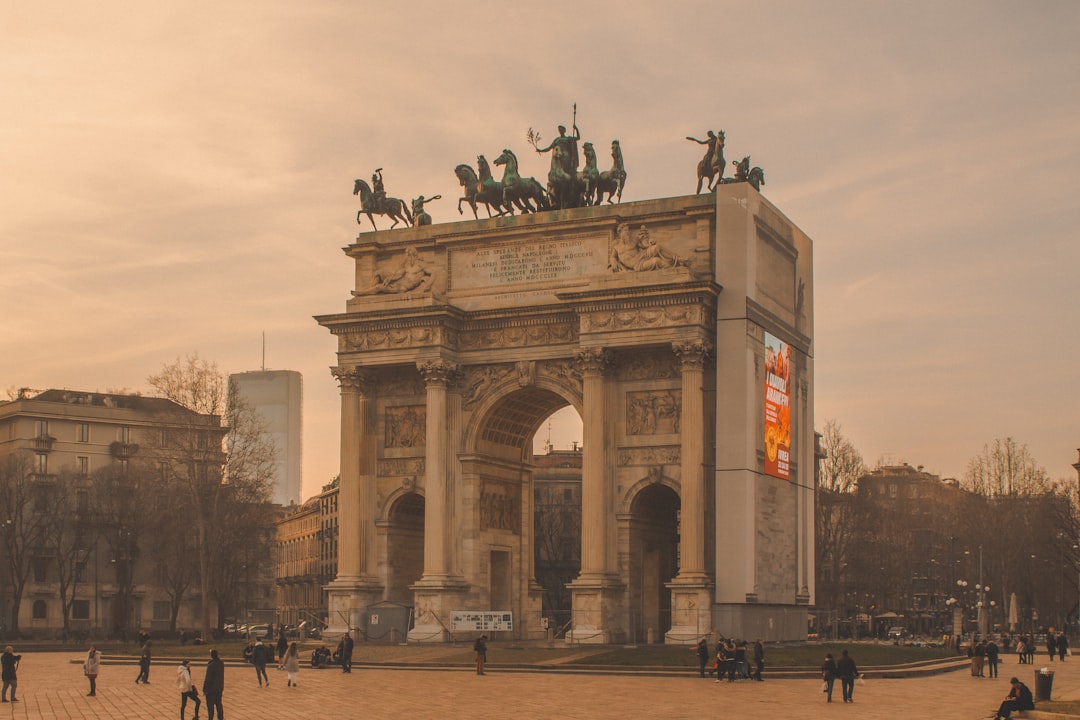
{"x":56,"y":442}
{"x":307,"y":559}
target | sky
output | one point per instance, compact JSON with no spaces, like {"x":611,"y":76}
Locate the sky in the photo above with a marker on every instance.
{"x":177,"y":179}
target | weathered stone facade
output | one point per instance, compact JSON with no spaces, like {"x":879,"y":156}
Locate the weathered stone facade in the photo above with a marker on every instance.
{"x":649,"y":319}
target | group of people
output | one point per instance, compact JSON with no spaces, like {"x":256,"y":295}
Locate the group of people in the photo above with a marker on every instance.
{"x":844,"y":669}
{"x":732,"y":658}
{"x":984,"y":654}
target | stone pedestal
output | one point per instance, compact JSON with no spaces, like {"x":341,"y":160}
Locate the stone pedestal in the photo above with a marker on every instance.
{"x":598,"y":616}
{"x":691,"y":615}
{"x":434,"y":602}
{"x":347,"y":601}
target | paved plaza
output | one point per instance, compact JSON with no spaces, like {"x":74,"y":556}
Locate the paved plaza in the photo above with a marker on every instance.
{"x":51,"y":686}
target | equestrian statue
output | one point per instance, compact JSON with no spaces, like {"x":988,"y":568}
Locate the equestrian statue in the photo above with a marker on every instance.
{"x":479,"y":190}
{"x":612,"y":181}
{"x":525,"y":193}
{"x":375,"y":202}
{"x":712,"y":165}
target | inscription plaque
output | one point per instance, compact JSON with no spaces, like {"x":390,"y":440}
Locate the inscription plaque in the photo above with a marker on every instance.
{"x":547,"y":260}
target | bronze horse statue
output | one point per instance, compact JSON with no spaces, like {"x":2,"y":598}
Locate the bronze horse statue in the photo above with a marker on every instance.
{"x":744,"y":173}
{"x":612,"y":181}
{"x":526,"y":193}
{"x":394,"y":208}
{"x":479,"y":191}
{"x":564,"y":190}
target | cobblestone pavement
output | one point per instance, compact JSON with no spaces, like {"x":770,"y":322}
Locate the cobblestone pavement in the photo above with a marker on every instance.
{"x":51,"y":686}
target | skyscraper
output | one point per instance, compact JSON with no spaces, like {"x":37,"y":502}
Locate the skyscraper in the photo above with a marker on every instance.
{"x":277,"y":396}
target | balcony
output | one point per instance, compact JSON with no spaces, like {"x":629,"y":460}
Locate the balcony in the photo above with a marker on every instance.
{"x":43,"y":443}
{"x":123,"y":450}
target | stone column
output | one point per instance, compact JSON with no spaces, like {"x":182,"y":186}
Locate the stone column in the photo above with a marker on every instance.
{"x":597,"y":592}
{"x":355,"y":587}
{"x":349,"y":492}
{"x":594,"y":485}
{"x":692,"y":356}
{"x":437,"y":375}
{"x":691,"y":589}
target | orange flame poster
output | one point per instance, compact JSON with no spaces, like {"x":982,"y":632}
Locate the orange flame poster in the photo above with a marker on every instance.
{"x":777,"y":408}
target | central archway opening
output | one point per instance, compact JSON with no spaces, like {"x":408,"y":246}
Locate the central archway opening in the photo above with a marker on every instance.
{"x":529,"y":449}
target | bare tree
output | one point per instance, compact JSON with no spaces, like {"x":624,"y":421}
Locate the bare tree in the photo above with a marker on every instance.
{"x":219,"y":465}
{"x":68,"y":535}
{"x":21,"y":526}
{"x":837,"y":511}
{"x":1005,"y":467}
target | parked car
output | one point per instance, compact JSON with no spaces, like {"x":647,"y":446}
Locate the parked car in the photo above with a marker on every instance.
{"x":897,"y":632}
{"x":259,"y":632}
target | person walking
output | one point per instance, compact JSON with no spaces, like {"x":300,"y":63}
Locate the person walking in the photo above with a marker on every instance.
{"x":480,"y":648}
{"x":144,"y":665}
{"x":346,"y":653}
{"x":187,"y":689}
{"x":292,"y":665}
{"x":9,"y":667}
{"x":759,"y":660}
{"x":1062,"y":646}
{"x":90,"y":669}
{"x":1051,"y":645}
{"x":847,"y":672}
{"x":828,"y":675}
{"x":213,"y":686}
{"x":260,"y":656}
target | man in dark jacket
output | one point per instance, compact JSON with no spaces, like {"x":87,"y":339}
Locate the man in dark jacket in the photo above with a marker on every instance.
{"x":214,"y":685}
{"x":1019,"y":698}
{"x":9,"y":662}
{"x":847,"y":672}
{"x":260,"y":655}
{"x":346,"y":653}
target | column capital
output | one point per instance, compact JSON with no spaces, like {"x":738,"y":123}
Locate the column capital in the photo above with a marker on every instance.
{"x":593,"y":361}
{"x":438,"y":372}
{"x":351,"y":378}
{"x":692,"y":353}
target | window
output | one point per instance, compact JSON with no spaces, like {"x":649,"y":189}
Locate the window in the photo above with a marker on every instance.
{"x":41,"y":569}
{"x":82,"y":432}
{"x":568,"y":495}
{"x":80,"y":572}
{"x":82,"y":464}
{"x":42,"y":428}
{"x":123,"y":434}
{"x":41,"y":464}
{"x":162,"y":610}
{"x":80,"y":610}
{"x":41,"y":610}
{"x":122,"y":464}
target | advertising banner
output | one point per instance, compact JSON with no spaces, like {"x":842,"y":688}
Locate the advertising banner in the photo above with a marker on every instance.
{"x":777,"y":408}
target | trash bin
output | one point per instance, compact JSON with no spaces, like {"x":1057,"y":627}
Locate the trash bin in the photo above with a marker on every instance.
{"x":1044,"y":684}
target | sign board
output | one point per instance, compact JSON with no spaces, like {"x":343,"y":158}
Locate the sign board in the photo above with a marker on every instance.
{"x":777,"y":408}
{"x":491,"y":621}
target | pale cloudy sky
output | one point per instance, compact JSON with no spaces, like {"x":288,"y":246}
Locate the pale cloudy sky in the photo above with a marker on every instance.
{"x":177,"y":177}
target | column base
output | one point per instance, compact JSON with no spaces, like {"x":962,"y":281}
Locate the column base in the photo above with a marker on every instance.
{"x":597,"y":611}
{"x":691,"y":609}
{"x":433,"y":600}
{"x":348,"y":599}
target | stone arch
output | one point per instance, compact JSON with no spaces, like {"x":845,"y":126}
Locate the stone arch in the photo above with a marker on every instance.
{"x":653,"y":529}
{"x":404,"y":537}
{"x":510,"y":414}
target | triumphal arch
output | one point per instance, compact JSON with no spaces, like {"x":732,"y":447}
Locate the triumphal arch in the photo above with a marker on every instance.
{"x":680,"y":329}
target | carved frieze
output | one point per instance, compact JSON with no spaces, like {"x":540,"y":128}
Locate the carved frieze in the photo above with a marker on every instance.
{"x":634,"y":318}
{"x":389,"y":338}
{"x":500,"y":506}
{"x":519,"y":336}
{"x":389,"y":467}
{"x":650,"y":456}
{"x":408,"y":273}
{"x":653,"y":412}
{"x":565,"y":372}
{"x":650,"y":364}
{"x":640,"y":253}
{"x":399,"y":382}
{"x":404,"y":426}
